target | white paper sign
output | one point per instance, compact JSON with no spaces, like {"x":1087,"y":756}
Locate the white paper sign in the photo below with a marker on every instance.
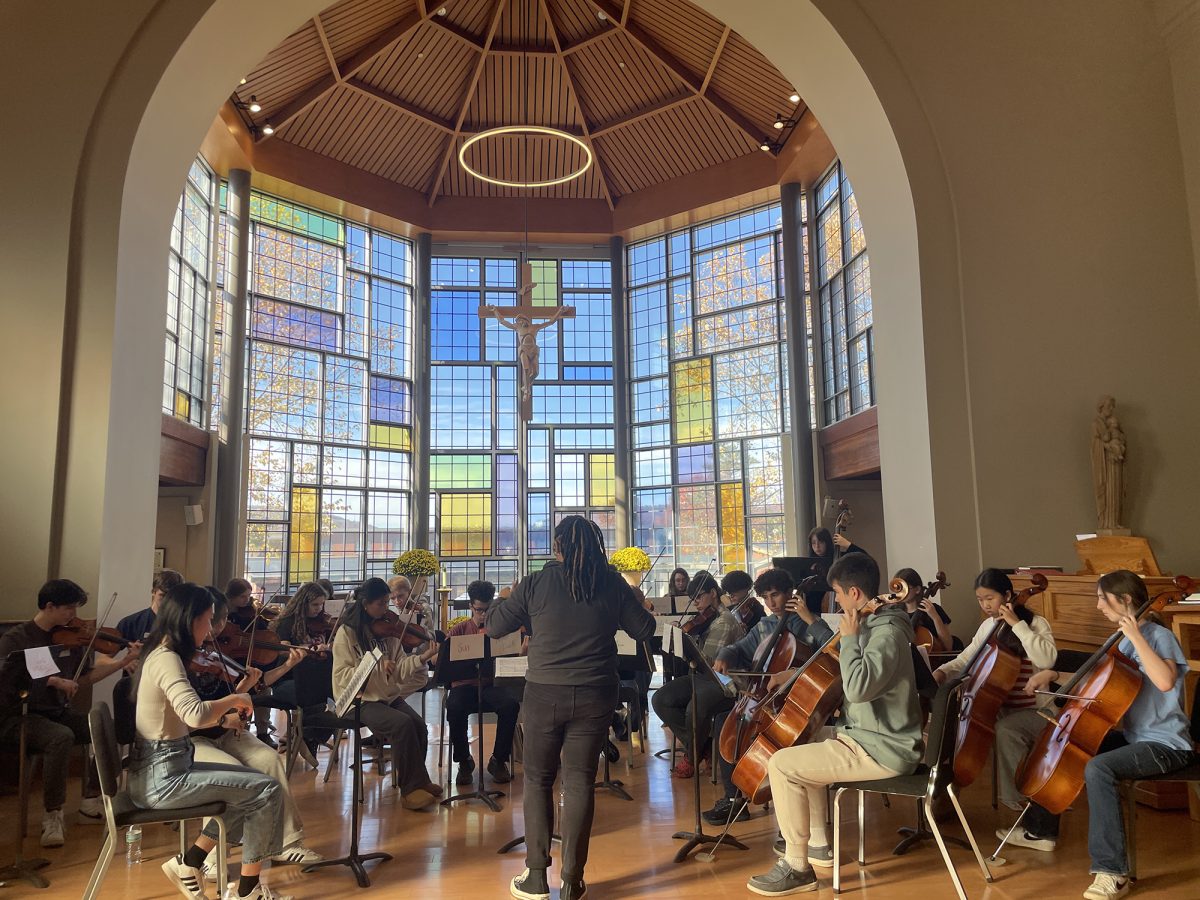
{"x":626,"y":646}
{"x":512,"y":666}
{"x":509,"y":645}
{"x":466,"y":646}
{"x":365,"y":666}
{"x":40,"y":663}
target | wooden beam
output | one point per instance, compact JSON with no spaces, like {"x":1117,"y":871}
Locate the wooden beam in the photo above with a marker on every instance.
{"x":682,"y":71}
{"x":401,"y":105}
{"x":333,"y":66}
{"x":459,"y":34}
{"x":299,"y":103}
{"x":644,"y":113}
{"x":712,"y":66}
{"x":440,"y":173}
{"x":517,"y":50}
{"x":587,"y":135}
{"x":625,"y":8}
{"x":600,"y":35}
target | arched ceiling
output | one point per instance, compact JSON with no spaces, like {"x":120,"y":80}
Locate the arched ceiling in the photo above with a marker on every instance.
{"x":658,"y":90}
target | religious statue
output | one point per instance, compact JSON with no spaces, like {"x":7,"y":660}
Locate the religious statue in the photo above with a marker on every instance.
{"x":1108,"y":465}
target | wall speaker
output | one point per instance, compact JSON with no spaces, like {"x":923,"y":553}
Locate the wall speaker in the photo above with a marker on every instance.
{"x":193,"y":515}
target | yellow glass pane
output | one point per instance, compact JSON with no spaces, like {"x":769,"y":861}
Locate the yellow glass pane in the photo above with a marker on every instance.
{"x":302,"y":535}
{"x":733,"y":527}
{"x":602,"y":483}
{"x":466,"y":524}
{"x":692,"y":401}
{"x":391,"y":437}
{"x":183,"y":405}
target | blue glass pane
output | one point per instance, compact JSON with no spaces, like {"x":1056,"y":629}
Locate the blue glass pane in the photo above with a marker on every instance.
{"x":391,"y":328}
{"x":539,"y":458}
{"x":455,"y":325}
{"x":647,"y":261}
{"x":538,"y":535}
{"x":300,"y":326}
{"x":586,"y":273}
{"x":650,"y":400}
{"x":357,"y":246}
{"x":501,"y":342}
{"x":588,"y":336}
{"x":356,"y":314}
{"x":680,"y":253}
{"x":738,"y":227}
{"x":391,"y":401}
{"x":648,"y":317}
{"x":587,"y":373}
{"x":501,"y":272}
{"x":507,"y":505}
{"x":575,"y":404}
{"x":448,"y":271}
{"x":583,"y":438}
{"x":390,"y":257}
{"x":462,"y":407}
{"x":694,"y":464}
{"x":345,"y":400}
{"x":506,"y":407}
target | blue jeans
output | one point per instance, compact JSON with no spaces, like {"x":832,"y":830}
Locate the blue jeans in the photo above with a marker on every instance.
{"x":1103,"y":775}
{"x":563,"y":724}
{"x":165,"y":775}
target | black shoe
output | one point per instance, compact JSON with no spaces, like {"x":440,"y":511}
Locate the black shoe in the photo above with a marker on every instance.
{"x":620,"y":727}
{"x":575,"y":891}
{"x":719,"y":814}
{"x":530,"y":885}
{"x":611,"y":751}
{"x":466,"y":771}
{"x":268,"y":740}
{"x":499,"y":771}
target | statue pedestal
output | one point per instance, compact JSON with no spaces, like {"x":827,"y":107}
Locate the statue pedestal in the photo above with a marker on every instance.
{"x":1113,"y":532}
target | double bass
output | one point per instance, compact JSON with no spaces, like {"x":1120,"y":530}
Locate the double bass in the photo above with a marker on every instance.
{"x":991,"y":675}
{"x":1100,"y":694}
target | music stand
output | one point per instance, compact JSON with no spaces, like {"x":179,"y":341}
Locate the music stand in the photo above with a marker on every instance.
{"x":627,"y":662}
{"x":447,"y":672}
{"x":22,"y":868}
{"x":354,"y":859}
{"x":801,"y":567}
{"x":697,"y":838}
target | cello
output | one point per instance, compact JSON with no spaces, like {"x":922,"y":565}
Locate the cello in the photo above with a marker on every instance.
{"x":1097,"y":696}
{"x":923,"y":636}
{"x":990,"y":677}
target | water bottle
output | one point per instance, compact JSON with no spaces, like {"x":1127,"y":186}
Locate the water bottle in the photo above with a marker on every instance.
{"x":133,"y":845}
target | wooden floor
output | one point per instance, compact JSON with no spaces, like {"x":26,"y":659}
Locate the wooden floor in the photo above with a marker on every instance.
{"x":451,"y":853}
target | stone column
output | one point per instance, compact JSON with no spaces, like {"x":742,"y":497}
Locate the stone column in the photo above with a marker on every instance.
{"x":422,"y":273}
{"x":622,"y":453}
{"x":801,"y":462}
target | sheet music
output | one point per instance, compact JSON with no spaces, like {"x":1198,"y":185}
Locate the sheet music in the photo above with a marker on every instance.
{"x":334,"y":607}
{"x":466,"y":646}
{"x":40,"y":663}
{"x":512,"y":666}
{"x":661,"y":624}
{"x":365,"y":666}
{"x":626,"y":646}
{"x":509,"y":645}
{"x":833,"y":620}
{"x":673,"y":642}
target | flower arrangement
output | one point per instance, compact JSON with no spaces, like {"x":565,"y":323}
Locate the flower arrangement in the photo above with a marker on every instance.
{"x":631,"y":559}
{"x":415,"y":564}
{"x":457,"y":620}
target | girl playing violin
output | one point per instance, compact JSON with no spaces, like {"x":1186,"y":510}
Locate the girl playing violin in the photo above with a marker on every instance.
{"x":1019,"y":722}
{"x":163,"y":771}
{"x":923,"y":612}
{"x":399,"y":674}
{"x":1154,"y":738}
{"x":303,"y":622}
{"x":224,"y":745}
{"x":673,"y":701}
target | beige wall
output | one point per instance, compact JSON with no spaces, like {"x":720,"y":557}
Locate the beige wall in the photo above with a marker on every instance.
{"x":1019,"y":171}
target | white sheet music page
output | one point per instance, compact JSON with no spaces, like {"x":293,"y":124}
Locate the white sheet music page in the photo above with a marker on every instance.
{"x":466,"y":646}
{"x":365,"y":665}
{"x":626,"y":646}
{"x":509,"y":645}
{"x":512,"y":666}
{"x":40,"y":663}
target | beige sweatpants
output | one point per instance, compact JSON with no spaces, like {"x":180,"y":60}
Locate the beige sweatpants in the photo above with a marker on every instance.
{"x":231,"y":749}
{"x":799,"y":776}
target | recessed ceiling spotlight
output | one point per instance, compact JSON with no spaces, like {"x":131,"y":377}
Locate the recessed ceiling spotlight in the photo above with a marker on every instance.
{"x":778,"y":126}
{"x":765,"y":146}
{"x":795,"y":98}
{"x":601,"y":15}
{"x":254,"y":106}
{"x":268,"y":129}
{"x":243,"y":81}
{"x":621,"y":64}
{"x":420,"y":56}
{"x":441,"y":11}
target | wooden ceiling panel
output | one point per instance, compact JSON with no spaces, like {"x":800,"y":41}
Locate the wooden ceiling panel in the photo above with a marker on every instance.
{"x":428,"y":68}
{"x":687,"y":32}
{"x":500,"y":100}
{"x":523,"y":24}
{"x":746,"y":79}
{"x":615,"y":78}
{"x":288,"y":70}
{"x":351,"y":24}
{"x":576,"y":20}
{"x":470,"y":16}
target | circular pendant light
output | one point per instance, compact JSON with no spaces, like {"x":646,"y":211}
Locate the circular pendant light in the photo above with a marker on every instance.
{"x":544,"y":130}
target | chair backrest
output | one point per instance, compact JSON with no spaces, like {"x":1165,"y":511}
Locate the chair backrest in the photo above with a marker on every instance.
{"x":125,"y":710}
{"x":314,"y":682}
{"x":942,"y":735}
{"x":104,"y":746}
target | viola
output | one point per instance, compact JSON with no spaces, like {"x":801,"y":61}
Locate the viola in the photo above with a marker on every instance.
{"x":1100,"y":693}
{"x":81,"y":633}
{"x":990,"y":677}
{"x":699,"y":623}
{"x":410,"y":635}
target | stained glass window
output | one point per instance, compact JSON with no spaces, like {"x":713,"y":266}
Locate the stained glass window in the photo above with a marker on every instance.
{"x":844,"y":285}
{"x":708,"y":393}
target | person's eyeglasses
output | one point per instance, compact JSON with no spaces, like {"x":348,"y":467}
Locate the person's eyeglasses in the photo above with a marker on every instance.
{"x":479,"y":609}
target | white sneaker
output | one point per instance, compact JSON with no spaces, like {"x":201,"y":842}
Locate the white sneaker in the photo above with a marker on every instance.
{"x":91,"y":811}
{"x":1022,"y":838}
{"x":297,"y":855}
{"x":1107,"y":887}
{"x":52,"y":829}
{"x":261,"y":892}
{"x":188,"y":879}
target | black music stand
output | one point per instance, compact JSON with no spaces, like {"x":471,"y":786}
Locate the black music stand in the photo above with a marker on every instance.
{"x":447,"y":673}
{"x":697,"y":838}
{"x":354,"y":859}
{"x":637,"y":662}
{"x":21,"y":868}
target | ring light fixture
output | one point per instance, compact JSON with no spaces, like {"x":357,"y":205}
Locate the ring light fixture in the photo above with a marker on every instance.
{"x":524,"y":129}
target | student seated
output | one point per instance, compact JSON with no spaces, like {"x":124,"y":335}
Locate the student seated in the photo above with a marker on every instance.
{"x":225,"y":745}
{"x":303,"y":623}
{"x":736,"y":586}
{"x":878,"y":735}
{"x":926,"y":613}
{"x":52,"y":728}
{"x":399,"y":674}
{"x":163,"y":770}
{"x":463,"y":700}
{"x":136,"y":626}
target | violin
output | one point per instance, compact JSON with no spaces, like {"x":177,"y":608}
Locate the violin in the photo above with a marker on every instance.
{"x":232,"y":641}
{"x":81,"y":633}
{"x":320,"y":627}
{"x":410,"y":635}
{"x":205,"y":662}
{"x":699,"y":623}
{"x":743,"y":610}
{"x":990,"y":677}
{"x":1100,"y":694}
{"x":256,"y":612}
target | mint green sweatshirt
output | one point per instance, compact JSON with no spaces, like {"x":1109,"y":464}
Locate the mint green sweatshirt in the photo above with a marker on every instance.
{"x":880,"y":711}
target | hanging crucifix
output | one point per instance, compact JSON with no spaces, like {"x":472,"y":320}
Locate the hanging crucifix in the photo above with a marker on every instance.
{"x":521,"y":319}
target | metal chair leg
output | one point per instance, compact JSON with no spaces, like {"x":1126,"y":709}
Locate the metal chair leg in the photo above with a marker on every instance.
{"x":962,"y":820}
{"x":837,"y":840}
{"x":1130,"y":804}
{"x":183,"y":841}
{"x":937,"y":836}
{"x":862,"y":828}
{"x":101,"y":869}
{"x":222,"y":855}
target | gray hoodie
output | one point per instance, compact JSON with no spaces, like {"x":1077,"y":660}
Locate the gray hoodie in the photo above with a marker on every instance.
{"x":880,"y":711}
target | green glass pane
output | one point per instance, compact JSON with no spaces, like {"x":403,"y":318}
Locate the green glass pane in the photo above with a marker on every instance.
{"x":545,"y":276}
{"x":459,"y":471}
{"x":295,"y":218}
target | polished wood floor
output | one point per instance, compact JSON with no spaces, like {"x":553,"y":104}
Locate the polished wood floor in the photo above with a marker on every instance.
{"x":451,"y":852}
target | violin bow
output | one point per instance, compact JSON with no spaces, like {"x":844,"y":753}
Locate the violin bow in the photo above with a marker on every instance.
{"x":222,"y":659}
{"x":95,"y":634}
{"x":646,"y":574}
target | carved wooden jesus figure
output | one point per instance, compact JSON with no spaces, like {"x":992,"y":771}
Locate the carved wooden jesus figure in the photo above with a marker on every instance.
{"x":1108,"y":464}
{"x":521,"y":319}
